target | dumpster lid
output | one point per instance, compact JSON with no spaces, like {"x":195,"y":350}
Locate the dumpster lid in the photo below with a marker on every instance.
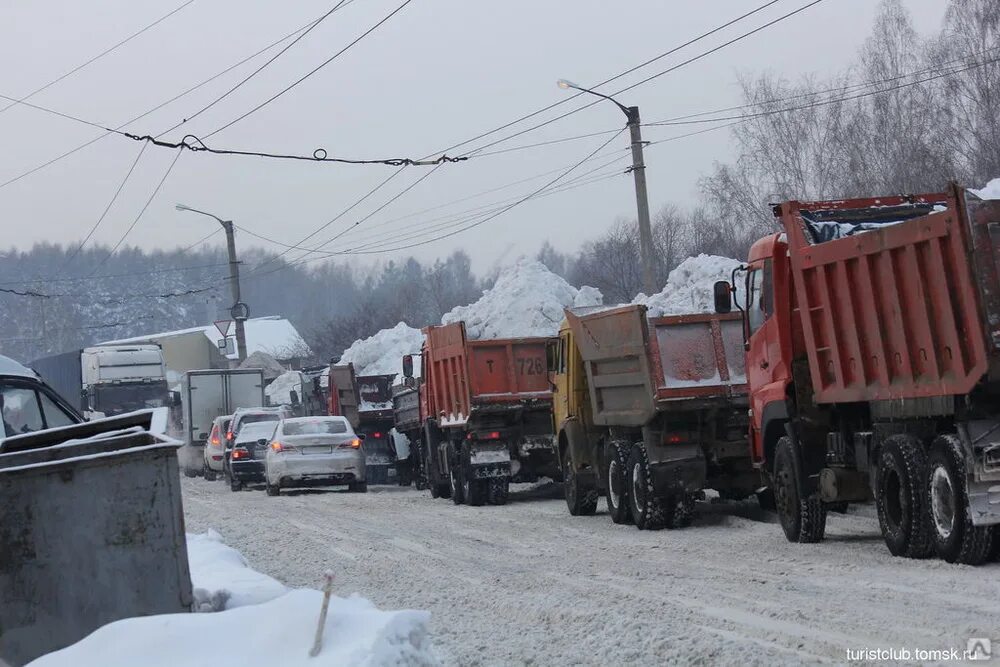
{"x":154,"y":421}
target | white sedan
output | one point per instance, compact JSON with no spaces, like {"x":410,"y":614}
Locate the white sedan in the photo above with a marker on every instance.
{"x":315,"y":451}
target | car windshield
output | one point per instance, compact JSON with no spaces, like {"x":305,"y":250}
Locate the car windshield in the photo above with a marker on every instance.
{"x":314,"y":427}
{"x":259,"y":431}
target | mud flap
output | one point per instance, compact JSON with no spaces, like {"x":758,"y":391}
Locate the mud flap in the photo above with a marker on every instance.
{"x":677,"y":468}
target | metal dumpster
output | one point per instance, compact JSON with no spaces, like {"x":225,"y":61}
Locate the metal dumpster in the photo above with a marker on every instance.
{"x":91,"y":531}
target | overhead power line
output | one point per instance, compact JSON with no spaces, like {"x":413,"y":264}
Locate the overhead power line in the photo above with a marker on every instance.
{"x":100,"y":55}
{"x":38,"y":281}
{"x":311,"y":72}
{"x":257,"y":71}
{"x":156,"y":108}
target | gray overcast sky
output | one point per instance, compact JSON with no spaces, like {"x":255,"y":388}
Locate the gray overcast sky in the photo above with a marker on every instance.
{"x":439,"y":72}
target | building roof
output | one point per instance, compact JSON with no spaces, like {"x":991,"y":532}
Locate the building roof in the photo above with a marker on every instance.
{"x":274,"y":335}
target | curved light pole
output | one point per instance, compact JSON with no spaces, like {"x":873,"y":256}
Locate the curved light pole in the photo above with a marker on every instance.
{"x":239,"y":310}
{"x":639,"y":174}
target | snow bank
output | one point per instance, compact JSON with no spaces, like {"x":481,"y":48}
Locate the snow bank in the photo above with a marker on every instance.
{"x":383,"y":353}
{"x":689,"y":287}
{"x":279,"y":391}
{"x":223,"y":579}
{"x":527,"y":300}
{"x":991,"y":191}
{"x":264,"y":625}
{"x":277,"y":632}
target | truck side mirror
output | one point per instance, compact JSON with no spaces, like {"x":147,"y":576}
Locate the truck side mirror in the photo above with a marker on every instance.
{"x":550,"y":357}
{"x":175,"y":399}
{"x":294,"y":397}
{"x":722,"y":291}
{"x":408,"y":365}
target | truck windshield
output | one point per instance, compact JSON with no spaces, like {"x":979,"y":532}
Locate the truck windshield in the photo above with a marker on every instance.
{"x":118,"y":398}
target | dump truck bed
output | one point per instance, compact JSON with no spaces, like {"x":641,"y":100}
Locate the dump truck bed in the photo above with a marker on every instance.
{"x":637,"y":367}
{"x":898,"y":297}
{"x":464,"y":376}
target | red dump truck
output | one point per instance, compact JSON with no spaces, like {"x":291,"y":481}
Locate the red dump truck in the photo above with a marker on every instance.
{"x":481,"y":414}
{"x":366,"y":401}
{"x":873,"y":332}
{"x":650,"y":412}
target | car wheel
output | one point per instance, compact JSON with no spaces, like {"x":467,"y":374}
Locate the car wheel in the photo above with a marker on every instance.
{"x":358,"y":487}
{"x":209,"y":474}
{"x":235,"y":485}
{"x":273,"y":490}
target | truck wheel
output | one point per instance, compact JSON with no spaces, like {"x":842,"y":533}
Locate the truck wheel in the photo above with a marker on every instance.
{"x":901,"y":497}
{"x":457,"y":488}
{"x":953,"y":536}
{"x":802,"y":519}
{"x":209,"y":474}
{"x":581,"y":498}
{"x":273,"y":490}
{"x":475,"y":491}
{"x":647,"y":509}
{"x":499,"y":491}
{"x":679,"y":511}
{"x":235,"y":485}
{"x":616,"y":462}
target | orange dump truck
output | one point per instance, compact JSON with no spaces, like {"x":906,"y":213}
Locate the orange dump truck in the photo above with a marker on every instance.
{"x":485,"y":414}
{"x":873,"y":361}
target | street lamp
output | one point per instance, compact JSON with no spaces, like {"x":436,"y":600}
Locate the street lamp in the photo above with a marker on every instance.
{"x":239,"y":311}
{"x":639,"y":175}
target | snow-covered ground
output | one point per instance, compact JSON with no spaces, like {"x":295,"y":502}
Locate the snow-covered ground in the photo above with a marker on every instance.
{"x":526,"y":300}
{"x":254,"y":621}
{"x":528,"y":584}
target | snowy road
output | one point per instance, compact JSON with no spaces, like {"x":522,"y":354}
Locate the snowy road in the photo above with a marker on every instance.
{"x":528,"y":584}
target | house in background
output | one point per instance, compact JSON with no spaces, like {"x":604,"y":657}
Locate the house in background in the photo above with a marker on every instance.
{"x":198,"y":347}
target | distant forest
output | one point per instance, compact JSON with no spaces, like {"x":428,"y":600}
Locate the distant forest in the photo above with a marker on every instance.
{"x":911,"y":114}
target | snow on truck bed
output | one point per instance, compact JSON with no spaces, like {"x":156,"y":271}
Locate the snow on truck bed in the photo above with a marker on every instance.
{"x":690,"y":286}
{"x":527,"y":300}
{"x":383,"y":353}
{"x":264,"y":624}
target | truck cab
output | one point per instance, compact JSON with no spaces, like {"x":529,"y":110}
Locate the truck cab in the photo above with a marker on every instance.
{"x":571,"y":401}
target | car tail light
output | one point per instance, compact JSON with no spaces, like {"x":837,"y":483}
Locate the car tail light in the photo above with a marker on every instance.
{"x":377,"y":434}
{"x":278,"y":446}
{"x":215,"y":440}
{"x":493,"y":435}
{"x":241,"y":453}
{"x":351,"y":444}
{"x":673,"y":438}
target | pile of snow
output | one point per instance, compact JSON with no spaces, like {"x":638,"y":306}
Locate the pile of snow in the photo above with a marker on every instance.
{"x":279,"y":391}
{"x":222,"y":578}
{"x":527,"y":300}
{"x":991,"y":191}
{"x":383,"y":353}
{"x":264,"y":624}
{"x":690,"y":286}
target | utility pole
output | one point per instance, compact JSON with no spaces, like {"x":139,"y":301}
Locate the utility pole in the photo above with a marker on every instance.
{"x":641,"y":197}
{"x":234,"y":280}
{"x":642,"y":203}
{"x":239,"y":311}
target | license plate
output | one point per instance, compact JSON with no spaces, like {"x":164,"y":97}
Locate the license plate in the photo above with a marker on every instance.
{"x":317,"y":450}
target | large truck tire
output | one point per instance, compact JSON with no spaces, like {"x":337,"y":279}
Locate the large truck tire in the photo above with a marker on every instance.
{"x":581,"y":496}
{"x":499,"y":491}
{"x":679,"y":511}
{"x":952,"y":534}
{"x":802,"y":519}
{"x":901,"y":497}
{"x":615,"y":465}
{"x":648,"y":510}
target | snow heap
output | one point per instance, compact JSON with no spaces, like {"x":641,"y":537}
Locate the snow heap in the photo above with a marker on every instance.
{"x":279,"y":391}
{"x":991,"y":191}
{"x":264,"y":624}
{"x":527,"y":300}
{"x":383,"y":353}
{"x":690,"y":286}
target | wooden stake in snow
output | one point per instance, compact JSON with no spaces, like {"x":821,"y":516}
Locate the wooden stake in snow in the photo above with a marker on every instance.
{"x":327,"y":591}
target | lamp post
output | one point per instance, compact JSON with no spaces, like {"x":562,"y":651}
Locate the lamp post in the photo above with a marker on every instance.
{"x":239,"y":310}
{"x":639,"y":175}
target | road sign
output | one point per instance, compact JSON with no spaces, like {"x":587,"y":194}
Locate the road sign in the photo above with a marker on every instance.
{"x":223,"y":326}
